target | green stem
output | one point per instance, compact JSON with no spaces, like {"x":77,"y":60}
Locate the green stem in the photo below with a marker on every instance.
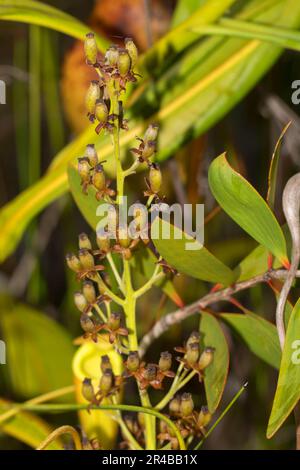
{"x":116,"y":272}
{"x":156,"y":276}
{"x":173,"y":389}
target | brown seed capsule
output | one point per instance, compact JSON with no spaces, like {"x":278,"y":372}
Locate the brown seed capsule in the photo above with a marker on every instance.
{"x":89,"y":291}
{"x":192,"y":353}
{"x":90,"y":49}
{"x":84,"y":169}
{"x":114,"y":320}
{"x":93,"y":94}
{"x":193,"y":338}
{"x":112,"y":56}
{"x":174,"y":406}
{"x":87,"y":323}
{"x":155,"y":178}
{"x":106,"y":381}
{"x":73,"y":262}
{"x":95,"y":444}
{"x":165,"y":361}
{"x":105,"y":363}
{"x":124,"y":62}
{"x":101,"y":111}
{"x":92,"y":155}
{"x":133,"y":361}
{"x":84,"y":241}
{"x":204,"y":417}
{"x":132,"y":51}
{"x":80,"y":301}
{"x":86,"y":259}
{"x":87,"y":390}
{"x":149,"y":149}
{"x":150,"y":372}
{"x":123,"y":238}
{"x":99,"y":179}
{"x":151,"y":133}
{"x":103,"y":242}
{"x":186,"y":405}
{"x":206,"y":358}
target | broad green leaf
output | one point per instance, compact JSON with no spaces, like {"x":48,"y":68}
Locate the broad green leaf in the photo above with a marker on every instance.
{"x":287,"y":392}
{"x":38,"y":351}
{"x":198,"y":262}
{"x":184,"y":9}
{"x":258,"y":334}
{"x":273,"y":170}
{"x":246,"y":207}
{"x":201,"y":88}
{"x":216,"y":373}
{"x":36,"y":12}
{"x":27,"y":428}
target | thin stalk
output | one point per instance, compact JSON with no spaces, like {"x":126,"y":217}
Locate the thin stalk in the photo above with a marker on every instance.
{"x":59,"y":432}
{"x":126,"y":433}
{"x":115,"y":272}
{"x":156,"y":276}
{"x":173,"y":389}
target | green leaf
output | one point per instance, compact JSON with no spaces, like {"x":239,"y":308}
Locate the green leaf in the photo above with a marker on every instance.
{"x":184,"y":9}
{"x":27,"y":428}
{"x":258,"y":334}
{"x":246,"y":207}
{"x":216,"y":374}
{"x":38,"y":351}
{"x":35,"y":12}
{"x":287,"y":392}
{"x":198,"y":262}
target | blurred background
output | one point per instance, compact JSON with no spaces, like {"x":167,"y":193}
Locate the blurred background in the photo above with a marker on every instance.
{"x":46,"y":79}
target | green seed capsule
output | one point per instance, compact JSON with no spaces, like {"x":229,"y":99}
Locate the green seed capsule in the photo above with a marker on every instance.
{"x":186,"y":405}
{"x":89,"y":291}
{"x":123,"y":238}
{"x":124,"y":62}
{"x":84,"y":169}
{"x":112,"y":56}
{"x":106,"y":381}
{"x":151,"y":133}
{"x":103,"y":242}
{"x":80,"y":301}
{"x":150,"y":372}
{"x":101,"y":111}
{"x":86,"y":259}
{"x":132,"y":51}
{"x":204,"y":417}
{"x":87,"y":323}
{"x":87,"y":390}
{"x":93,"y":94}
{"x":155,"y":178}
{"x":174,"y":406}
{"x":84,"y":241}
{"x":133,"y":361}
{"x":149,"y":149}
{"x":90,"y":49}
{"x":73,"y":262}
{"x":206,"y":358}
{"x":193,"y":338}
{"x":165,"y":361}
{"x":105,"y":363}
{"x":92,"y":155}
{"x":192,"y":353}
{"x":99,"y":179}
{"x":114,"y":321}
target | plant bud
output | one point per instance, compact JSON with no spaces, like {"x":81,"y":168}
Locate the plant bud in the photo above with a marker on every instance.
{"x":87,"y":390}
{"x":73,"y":262}
{"x":193,"y":338}
{"x":192,"y":353}
{"x":124,"y":62}
{"x":103,"y":242}
{"x":99,"y":179}
{"x":114,"y":321}
{"x":165,"y":361}
{"x":132,"y":51}
{"x":186,"y":405}
{"x":84,"y":169}
{"x":150,"y":372}
{"x":89,"y":291}
{"x":151,"y":133}
{"x":80,"y":301}
{"x":204,"y":417}
{"x":123,"y":237}
{"x":101,"y":111}
{"x":86,"y":259}
{"x":174,"y":406}
{"x":105,"y":363}
{"x":149,"y":149}
{"x":93,"y":94}
{"x":87,"y":323}
{"x":84,"y":241}
{"x":112,"y":56}
{"x":106,"y":381}
{"x":155,"y":178}
{"x":206,"y":358}
{"x":90,"y":49}
{"x":133,"y":361}
{"x":92,"y":155}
